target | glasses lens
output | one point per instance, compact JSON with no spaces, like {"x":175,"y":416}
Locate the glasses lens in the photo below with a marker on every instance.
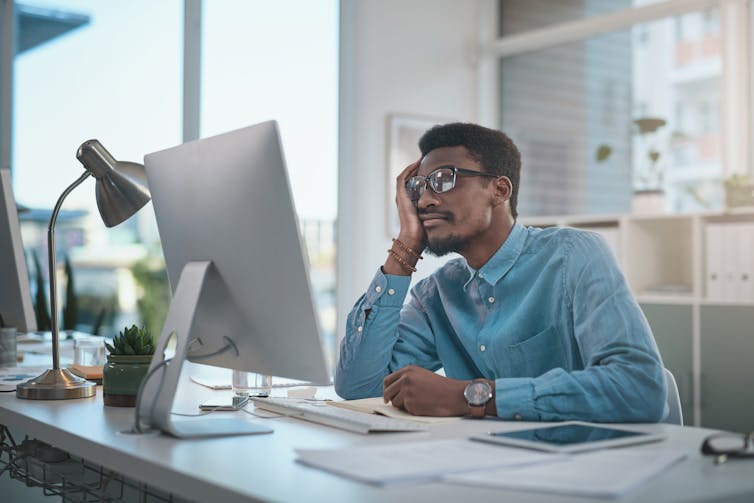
{"x":415,"y":187}
{"x":442,"y":180}
{"x":727,"y":443}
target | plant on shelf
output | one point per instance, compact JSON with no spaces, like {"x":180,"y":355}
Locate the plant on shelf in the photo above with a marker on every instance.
{"x":648,"y":177}
{"x":651,"y":176}
{"x":130,"y":355}
{"x":739,"y":191}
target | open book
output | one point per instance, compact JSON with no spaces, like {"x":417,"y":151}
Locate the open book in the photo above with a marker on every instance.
{"x":377,"y":406}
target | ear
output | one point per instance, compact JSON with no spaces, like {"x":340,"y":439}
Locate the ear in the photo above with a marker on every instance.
{"x":503,"y":190}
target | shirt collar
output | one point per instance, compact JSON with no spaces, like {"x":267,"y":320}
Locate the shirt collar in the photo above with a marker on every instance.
{"x":503,"y":259}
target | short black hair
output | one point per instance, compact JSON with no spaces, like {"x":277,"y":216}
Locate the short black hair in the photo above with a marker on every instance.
{"x":493,"y":149}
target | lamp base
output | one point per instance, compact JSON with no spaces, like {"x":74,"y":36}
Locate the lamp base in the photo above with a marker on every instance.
{"x":56,"y":384}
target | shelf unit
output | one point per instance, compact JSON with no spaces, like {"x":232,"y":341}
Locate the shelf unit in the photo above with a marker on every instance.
{"x":706,"y":337}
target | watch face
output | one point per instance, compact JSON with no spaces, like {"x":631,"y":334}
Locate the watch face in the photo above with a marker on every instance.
{"x":477,"y":393}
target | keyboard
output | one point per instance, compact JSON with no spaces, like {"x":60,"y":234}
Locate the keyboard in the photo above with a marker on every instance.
{"x":318,"y":411}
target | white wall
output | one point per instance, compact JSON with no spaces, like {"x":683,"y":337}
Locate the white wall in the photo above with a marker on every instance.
{"x":415,"y":57}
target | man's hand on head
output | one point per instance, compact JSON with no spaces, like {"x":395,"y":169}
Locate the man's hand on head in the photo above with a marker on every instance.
{"x":421,"y":392}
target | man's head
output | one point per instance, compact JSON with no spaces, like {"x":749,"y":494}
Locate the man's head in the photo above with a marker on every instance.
{"x":493,"y":150}
{"x":463,"y":209}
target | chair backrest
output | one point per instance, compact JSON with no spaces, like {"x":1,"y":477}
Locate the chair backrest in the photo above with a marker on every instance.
{"x":673,"y":401}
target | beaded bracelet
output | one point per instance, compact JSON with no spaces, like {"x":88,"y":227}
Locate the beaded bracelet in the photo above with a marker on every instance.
{"x":407,"y":249}
{"x":401,"y":261}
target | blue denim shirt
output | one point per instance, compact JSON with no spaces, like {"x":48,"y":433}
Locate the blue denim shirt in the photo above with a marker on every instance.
{"x":549,"y":317}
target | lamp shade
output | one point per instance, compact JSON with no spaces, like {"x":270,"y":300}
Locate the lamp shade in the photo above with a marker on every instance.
{"x":120,"y":187}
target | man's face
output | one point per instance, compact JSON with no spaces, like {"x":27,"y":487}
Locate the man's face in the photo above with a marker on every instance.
{"x":456,"y":219}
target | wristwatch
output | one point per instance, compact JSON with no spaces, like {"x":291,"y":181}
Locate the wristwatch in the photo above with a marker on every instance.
{"x":477,"y":394}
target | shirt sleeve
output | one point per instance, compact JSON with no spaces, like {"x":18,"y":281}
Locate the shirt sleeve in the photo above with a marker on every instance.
{"x":622,"y":379}
{"x":382,"y":335}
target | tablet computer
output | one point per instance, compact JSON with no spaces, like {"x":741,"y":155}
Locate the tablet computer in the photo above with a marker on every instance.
{"x":571,"y":436}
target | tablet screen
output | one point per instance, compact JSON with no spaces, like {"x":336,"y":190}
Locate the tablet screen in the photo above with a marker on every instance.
{"x":569,"y":434}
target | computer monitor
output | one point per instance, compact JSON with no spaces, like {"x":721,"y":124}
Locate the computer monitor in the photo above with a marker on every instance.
{"x":237,"y":267}
{"x":15,"y":296}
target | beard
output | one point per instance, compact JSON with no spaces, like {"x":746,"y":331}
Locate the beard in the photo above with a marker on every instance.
{"x":444,"y":245}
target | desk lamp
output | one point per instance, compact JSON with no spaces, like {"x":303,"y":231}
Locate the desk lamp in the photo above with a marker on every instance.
{"x":121,"y":192}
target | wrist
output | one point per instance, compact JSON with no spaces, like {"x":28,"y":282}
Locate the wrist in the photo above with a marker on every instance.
{"x":491,"y":408}
{"x":415,"y":243}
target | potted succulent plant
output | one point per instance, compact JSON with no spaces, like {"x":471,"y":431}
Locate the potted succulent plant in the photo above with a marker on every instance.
{"x":127,"y":364}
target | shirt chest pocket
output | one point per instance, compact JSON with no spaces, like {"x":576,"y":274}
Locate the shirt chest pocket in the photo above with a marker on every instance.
{"x":533,"y":356}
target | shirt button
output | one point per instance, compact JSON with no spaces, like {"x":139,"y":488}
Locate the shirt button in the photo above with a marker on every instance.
{"x":482,"y":348}
{"x":517,"y":416}
{"x":481,"y":275}
{"x":491,"y":299}
{"x":360,"y":329}
{"x":378,"y":289}
{"x":391,"y":292}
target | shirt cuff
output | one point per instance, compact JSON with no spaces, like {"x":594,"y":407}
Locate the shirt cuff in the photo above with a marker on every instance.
{"x":387,"y":290}
{"x":514,"y":399}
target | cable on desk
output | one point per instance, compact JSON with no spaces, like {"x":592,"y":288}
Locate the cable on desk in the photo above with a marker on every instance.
{"x":230,"y":346}
{"x":202,"y":413}
{"x":137,"y":423}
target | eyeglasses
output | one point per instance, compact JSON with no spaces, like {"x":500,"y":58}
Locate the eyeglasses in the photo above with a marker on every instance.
{"x":440,"y":180}
{"x":728,"y":445}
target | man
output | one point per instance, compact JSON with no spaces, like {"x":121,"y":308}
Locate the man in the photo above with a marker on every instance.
{"x":530,"y":324}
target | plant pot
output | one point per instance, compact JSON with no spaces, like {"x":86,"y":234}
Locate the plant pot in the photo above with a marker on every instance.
{"x":737,"y":196}
{"x":121,"y":378}
{"x":648,"y":202}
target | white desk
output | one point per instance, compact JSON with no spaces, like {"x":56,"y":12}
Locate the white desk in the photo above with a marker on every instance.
{"x":263,"y":467}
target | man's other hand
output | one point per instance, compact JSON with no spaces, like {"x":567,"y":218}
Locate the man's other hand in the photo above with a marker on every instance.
{"x":421,"y":392}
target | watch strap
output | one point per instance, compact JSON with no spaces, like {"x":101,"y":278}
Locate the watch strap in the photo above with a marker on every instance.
{"x":478,"y":411}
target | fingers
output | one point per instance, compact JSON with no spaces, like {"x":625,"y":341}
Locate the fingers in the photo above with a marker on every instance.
{"x":407,"y":173}
{"x":391,"y":385}
{"x":410,"y":225}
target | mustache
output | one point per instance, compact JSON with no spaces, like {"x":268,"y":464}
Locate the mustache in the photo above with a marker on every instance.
{"x":426,"y":214}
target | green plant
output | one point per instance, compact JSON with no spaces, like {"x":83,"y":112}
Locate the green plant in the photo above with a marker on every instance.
{"x":650,"y":175}
{"x":132,"y":341}
{"x":71,"y":306}
{"x":739,"y":191}
{"x":99,"y":321}
{"x":40,"y":300}
{"x":152,"y":279}
{"x":97,"y":312}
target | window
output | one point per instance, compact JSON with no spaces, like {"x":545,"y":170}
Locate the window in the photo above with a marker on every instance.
{"x":278,"y":60}
{"x":601,"y":113}
{"x":90,"y":69}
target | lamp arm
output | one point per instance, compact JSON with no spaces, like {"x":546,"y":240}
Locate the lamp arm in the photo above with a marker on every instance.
{"x":52,"y":266}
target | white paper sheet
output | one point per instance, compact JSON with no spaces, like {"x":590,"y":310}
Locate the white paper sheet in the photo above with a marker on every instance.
{"x":10,"y":377}
{"x":415,"y":461}
{"x":377,"y":406}
{"x":605,"y":473}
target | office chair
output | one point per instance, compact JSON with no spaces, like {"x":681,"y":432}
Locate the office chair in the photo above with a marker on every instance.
{"x":673,"y":401}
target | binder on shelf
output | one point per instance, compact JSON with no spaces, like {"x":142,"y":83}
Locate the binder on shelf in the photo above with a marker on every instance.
{"x":745,"y":272}
{"x":713,"y":275}
{"x":729,"y":262}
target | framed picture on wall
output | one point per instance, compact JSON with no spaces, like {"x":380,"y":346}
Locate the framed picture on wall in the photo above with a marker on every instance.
{"x":403,"y":133}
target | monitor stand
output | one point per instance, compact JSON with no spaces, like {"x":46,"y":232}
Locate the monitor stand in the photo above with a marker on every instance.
{"x":158,"y":393}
